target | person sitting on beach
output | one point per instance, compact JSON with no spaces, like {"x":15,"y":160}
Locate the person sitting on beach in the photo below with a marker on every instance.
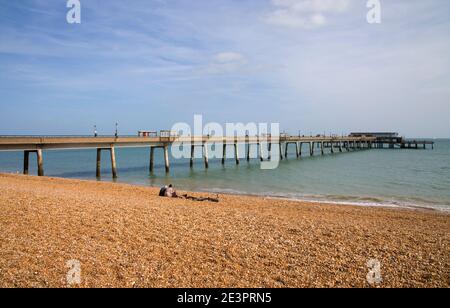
{"x":162,"y":192}
{"x":171,"y":192}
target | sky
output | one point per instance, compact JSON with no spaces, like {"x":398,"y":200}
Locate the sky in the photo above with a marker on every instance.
{"x":314,"y":66}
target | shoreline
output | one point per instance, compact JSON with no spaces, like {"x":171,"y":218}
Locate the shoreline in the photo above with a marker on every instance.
{"x":412,"y":207}
{"x":126,"y":236}
{"x":387,"y":205}
{"x":441,"y":208}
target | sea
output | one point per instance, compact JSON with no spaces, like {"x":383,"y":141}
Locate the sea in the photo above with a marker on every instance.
{"x":407,"y":178}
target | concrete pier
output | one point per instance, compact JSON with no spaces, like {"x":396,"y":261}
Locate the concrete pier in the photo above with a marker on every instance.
{"x":39,"y":144}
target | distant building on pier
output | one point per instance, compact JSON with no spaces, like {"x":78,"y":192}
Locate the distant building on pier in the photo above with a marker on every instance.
{"x":377,"y":135}
{"x":385,"y":137}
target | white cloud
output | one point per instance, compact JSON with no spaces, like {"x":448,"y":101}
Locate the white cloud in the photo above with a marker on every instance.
{"x":227,"y":57}
{"x":336,"y":6}
{"x":305,"y":13}
{"x":226,"y":62}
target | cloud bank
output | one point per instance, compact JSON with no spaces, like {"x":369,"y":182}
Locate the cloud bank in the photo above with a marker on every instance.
{"x":317,"y":66}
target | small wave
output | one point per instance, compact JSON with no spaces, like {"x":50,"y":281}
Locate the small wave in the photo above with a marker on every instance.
{"x":413,"y":203}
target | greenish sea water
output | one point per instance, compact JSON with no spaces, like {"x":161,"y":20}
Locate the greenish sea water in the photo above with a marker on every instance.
{"x":407,"y":178}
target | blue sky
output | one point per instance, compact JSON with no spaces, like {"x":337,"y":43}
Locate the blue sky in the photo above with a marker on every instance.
{"x":311,"y":65}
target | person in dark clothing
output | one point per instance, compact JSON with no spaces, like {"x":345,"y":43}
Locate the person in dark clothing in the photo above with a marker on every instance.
{"x":162,"y":192}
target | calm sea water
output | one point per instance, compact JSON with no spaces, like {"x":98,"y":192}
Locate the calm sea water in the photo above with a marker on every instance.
{"x":413,"y":178}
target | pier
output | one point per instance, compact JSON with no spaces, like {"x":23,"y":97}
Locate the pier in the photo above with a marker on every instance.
{"x":315,"y":145}
{"x":395,"y":141}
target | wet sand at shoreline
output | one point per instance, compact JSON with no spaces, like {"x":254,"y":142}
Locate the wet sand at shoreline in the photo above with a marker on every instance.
{"x":127,"y":236}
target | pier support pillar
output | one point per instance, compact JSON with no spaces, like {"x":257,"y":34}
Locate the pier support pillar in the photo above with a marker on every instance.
{"x":40,"y":162}
{"x":236,"y":153}
{"x":286,"y":150}
{"x":332,"y":147}
{"x":113,"y":163}
{"x":192,"y":155}
{"x":224,"y":152}
{"x":261,"y":153}
{"x":340,"y":146}
{"x":205,"y":154}
{"x":99,"y":163}
{"x":152,"y":159}
{"x":26,"y":162}
{"x":311,"y":148}
{"x":300,"y":149}
{"x":281,"y":151}
{"x":297,"y":150}
{"x":322,"y":148}
{"x":166,"y":158}
{"x":248,"y":152}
